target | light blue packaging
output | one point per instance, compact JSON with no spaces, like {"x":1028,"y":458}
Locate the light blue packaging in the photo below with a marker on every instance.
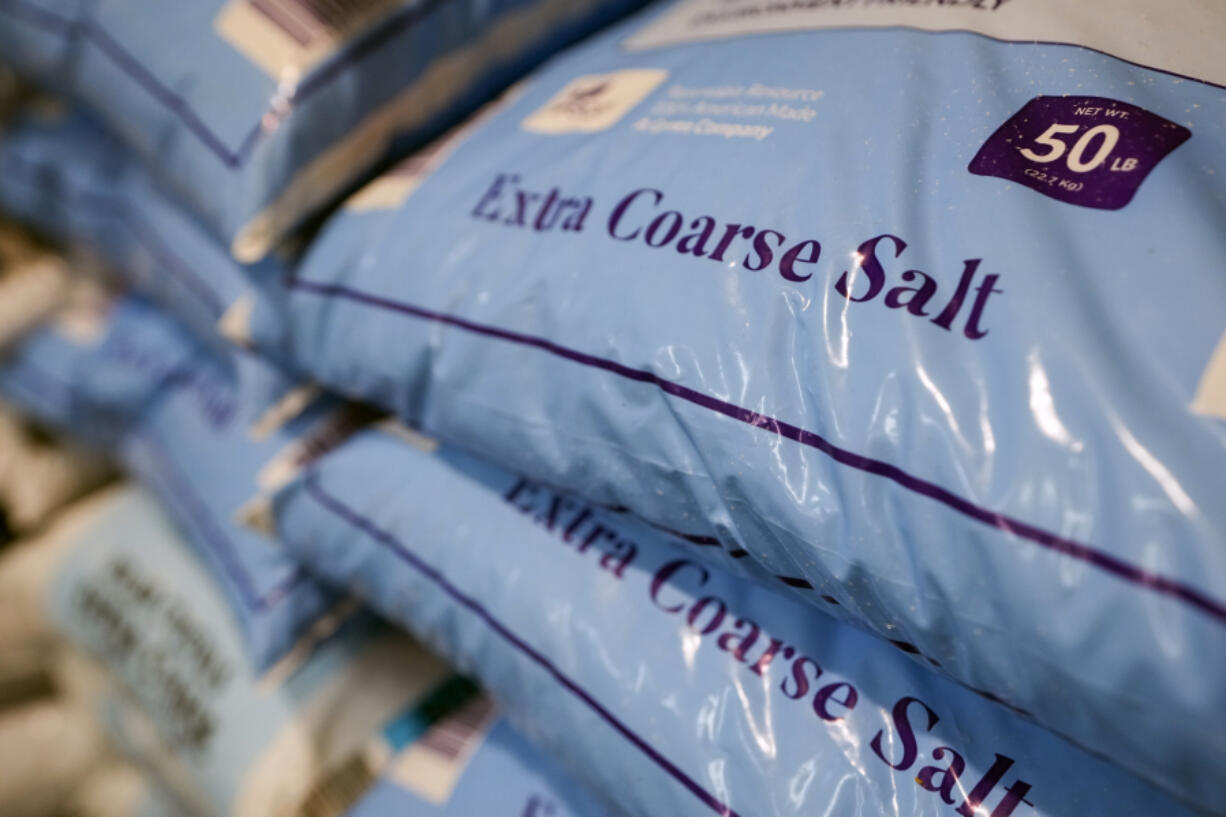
{"x":671,"y":686}
{"x":257,"y":113}
{"x":203,"y":432}
{"x":917,"y":305}
{"x":194,"y":449}
{"x":91,"y":369}
{"x":366,"y":720}
{"x":40,"y":52}
{"x":68,"y":178}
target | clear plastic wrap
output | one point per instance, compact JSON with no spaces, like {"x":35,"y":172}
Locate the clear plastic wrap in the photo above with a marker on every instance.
{"x":669,"y":685}
{"x":917,"y":306}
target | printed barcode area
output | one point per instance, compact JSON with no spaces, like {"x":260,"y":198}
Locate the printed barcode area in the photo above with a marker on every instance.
{"x":451,"y":736}
{"x":336,"y":793}
{"x":307,"y":20}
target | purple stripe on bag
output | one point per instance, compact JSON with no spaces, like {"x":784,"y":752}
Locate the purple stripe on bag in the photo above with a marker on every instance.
{"x":1107,"y":562}
{"x":397,"y":548}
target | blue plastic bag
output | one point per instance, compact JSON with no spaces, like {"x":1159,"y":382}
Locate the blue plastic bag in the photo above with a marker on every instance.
{"x":202,"y":431}
{"x":257,"y":113}
{"x":364,"y":722}
{"x":90,"y":369}
{"x":71,"y":180}
{"x":667,"y":684}
{"x":194,"y":449}
{"x":928,"y":323}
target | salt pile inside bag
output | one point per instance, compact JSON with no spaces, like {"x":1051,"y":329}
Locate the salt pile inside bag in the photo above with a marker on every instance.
{"x":199,"y":429}
{"x":259,"y":113}
{"x":668,"y":684}
{"x":365,"y":723}
{"x":915,"y":306}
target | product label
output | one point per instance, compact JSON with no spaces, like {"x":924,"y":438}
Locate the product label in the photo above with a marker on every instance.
{"x":1180,"y":36}
{"x":752,"y":110}
{"x":960,"y":302}
{"x":684,"y":591}
{"x":167,"y":657}
{"x":595,"y":102}
{"x":287,"y":37}
{"x":1084,"y":150}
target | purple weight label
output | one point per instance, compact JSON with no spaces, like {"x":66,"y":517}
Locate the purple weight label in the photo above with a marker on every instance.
{"x":1084,"y":150}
